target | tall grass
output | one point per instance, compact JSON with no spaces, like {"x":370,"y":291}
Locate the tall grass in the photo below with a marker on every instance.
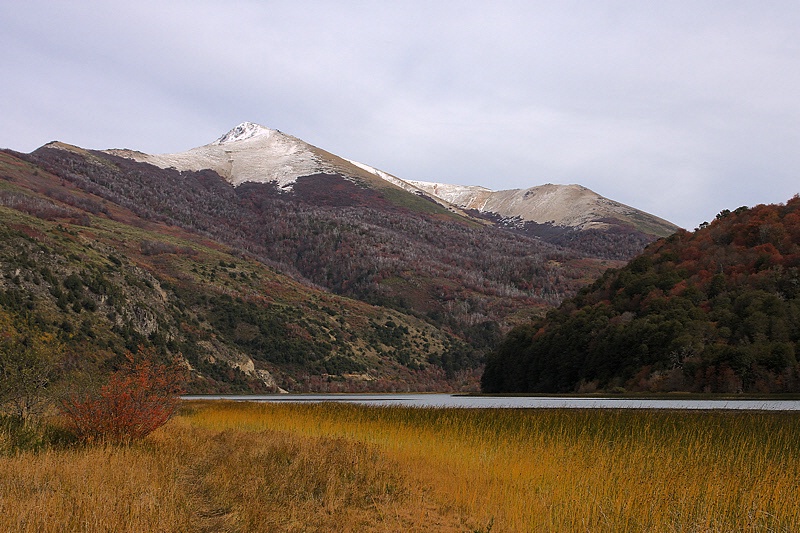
{"x":185,"y":478}
{"x":573,"y":470}
{"x":330,"y":467}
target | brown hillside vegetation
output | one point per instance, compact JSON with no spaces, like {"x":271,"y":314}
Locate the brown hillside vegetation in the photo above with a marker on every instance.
{"x":336,"y":285}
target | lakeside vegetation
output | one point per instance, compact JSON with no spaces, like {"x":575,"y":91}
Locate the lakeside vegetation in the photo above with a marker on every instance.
{"x":714,"y":310}
{"x":222,"y":466}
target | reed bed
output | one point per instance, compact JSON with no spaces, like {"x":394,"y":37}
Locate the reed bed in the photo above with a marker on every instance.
{"x":223,"y":466}
{"x":571,"y":470}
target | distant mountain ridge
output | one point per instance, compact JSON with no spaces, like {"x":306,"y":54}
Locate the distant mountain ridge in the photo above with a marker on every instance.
{"x":560,"y":205}
{"x":253,"y":153}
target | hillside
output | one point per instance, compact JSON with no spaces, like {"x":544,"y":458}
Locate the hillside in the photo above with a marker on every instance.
{"x":715,"y":310}
{"x":339,"y":283}
{"x":99,"y":280}
{"x":375,"y":243}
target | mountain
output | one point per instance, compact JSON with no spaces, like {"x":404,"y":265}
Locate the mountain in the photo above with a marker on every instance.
{"x":264,"y":262}
{"x":567,"y":215}
{"x":97,"y":278}
{"x":250,"y":153}
{"x":566,"y":206}
{"x":715,"y":310}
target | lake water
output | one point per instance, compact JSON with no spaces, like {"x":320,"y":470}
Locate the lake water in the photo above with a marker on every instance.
{"x":512,"y":402}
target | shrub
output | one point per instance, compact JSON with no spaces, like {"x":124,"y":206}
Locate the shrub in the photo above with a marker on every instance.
{"x":137,"y":399}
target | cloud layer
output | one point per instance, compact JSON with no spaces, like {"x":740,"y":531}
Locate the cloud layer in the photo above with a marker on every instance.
{"x":679,"y":108}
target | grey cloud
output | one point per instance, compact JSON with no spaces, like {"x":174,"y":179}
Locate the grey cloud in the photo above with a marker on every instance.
{"x":679,"y":108}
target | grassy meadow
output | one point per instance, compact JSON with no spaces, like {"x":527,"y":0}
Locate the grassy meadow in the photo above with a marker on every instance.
{"x":221,"y":466}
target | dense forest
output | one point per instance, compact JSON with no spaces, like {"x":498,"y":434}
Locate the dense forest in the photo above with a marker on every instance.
{"x":714,"y":310}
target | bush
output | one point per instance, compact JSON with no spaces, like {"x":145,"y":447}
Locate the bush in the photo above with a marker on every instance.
{"x":137,"y":399}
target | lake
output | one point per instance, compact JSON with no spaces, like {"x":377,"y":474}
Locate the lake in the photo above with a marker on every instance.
{"x":513,"y":402}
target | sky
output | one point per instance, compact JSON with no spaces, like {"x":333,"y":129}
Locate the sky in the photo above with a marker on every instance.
{"x":681,"y":108}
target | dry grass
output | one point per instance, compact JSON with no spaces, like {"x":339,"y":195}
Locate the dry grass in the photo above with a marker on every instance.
{"x":568,"y":470}
{"x":308,"y":467}
{"x":189,"y":478}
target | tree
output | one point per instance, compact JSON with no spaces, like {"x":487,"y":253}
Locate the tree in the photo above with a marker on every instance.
{"x":27,"y":369}
{"x":138,"y":398}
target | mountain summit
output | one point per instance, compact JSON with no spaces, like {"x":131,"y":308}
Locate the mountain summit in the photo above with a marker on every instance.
{"x":243,"y":132}
{"x":248,"y":152}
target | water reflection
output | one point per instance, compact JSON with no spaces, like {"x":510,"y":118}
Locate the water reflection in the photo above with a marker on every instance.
{"x":514,"y":402}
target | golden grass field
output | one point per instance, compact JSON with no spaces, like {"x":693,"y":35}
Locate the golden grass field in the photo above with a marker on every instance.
{"x":221,"y":466}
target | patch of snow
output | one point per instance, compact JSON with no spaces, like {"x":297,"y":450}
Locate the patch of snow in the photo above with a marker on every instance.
{"x":248,"y":152}
{"x":380,"y":173}
{"x":463,"y":196}
{"x":242,"y":132}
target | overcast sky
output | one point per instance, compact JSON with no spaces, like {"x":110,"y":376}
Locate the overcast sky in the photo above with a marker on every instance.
{"x":680,"y":108}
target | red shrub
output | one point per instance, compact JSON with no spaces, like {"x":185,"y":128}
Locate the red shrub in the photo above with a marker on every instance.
{"x":138,"y":398}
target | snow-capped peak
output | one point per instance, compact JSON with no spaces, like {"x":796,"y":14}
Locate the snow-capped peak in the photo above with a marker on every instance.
{"x":242,"y":132}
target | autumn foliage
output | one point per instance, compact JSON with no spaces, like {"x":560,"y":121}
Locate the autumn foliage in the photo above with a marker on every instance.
{"x":137,"y":399}
{"x":714,"y":310}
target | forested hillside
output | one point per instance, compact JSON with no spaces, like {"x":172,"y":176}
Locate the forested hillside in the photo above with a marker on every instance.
{"x":383,"y":246}
{"x":86,"y":280}
{"x":336,"y":285}
{"x":714,"y":310}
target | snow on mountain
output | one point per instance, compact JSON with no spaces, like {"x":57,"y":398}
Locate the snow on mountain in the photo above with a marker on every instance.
{"x":380,"y":173}
{"x":403,"y":184}
{"x":244,"y":131}
{"x":560,"y":205}
{"x":248,"y":152}
{"x":251,"y":152}
{"x":464,"y":196}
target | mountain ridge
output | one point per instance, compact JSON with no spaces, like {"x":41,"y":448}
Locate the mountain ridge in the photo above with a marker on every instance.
{"x":560,"y":205}
{"x":251,"y":152}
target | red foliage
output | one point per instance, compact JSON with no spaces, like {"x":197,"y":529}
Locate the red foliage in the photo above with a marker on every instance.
{"x":138,"y":398}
